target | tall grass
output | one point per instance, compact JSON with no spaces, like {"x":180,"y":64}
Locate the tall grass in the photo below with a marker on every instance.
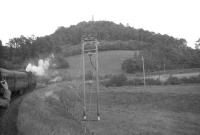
{"x":52,"y":110}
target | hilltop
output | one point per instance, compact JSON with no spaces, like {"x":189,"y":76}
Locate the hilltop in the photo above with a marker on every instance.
{"x":157,"y":49}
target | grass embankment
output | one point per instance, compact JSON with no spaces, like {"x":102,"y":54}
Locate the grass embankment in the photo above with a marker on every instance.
{"x":54,"y":110}
{"x":156,"y":110}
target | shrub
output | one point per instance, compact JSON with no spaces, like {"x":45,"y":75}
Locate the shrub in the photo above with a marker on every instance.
{"x":150,"y":81}
{"x":120,"y":80}
{"x":193,"y":79}
{"x":135,"y":82}
{"x":105,"y":83}
{"x":107,"y":76}
{"x":131,"y":65}
{"x":116,"y":80}
{"x":173,"y":80}
{"x":61,"y":62}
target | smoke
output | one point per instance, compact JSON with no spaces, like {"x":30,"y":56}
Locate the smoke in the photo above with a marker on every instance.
{"x":41,"y":69}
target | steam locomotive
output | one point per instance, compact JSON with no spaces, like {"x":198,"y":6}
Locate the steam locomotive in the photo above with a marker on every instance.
{"x":18,"y":81}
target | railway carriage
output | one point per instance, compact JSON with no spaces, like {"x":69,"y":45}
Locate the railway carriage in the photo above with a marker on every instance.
{"x":18,"y":81}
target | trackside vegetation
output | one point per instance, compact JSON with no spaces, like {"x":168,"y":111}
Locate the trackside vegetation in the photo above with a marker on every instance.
{"x":122,"y":80}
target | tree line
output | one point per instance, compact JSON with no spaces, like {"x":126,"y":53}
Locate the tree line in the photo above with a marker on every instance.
{"x":20,"y":50}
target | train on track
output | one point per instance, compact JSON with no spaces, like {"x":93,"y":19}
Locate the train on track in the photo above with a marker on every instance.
{"x":18,"y":81}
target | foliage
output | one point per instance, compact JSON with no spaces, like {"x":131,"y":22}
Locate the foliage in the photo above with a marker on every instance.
{"x":173,"y":80}
{"x":157,"y":49}
{"x":107,"y":46}
{"x":150,"y":81}
{"x":197,"y":44}
{"x":159,"y":58}
{"x":105,"y":30}
{"x":21,"y":49}
{"x":17,"y":51}
{"x":116,"y":80}
{"x":132,"y":65}
{"x":139,"y":82}
{"x":60,"y":62}
{"x":194,"y":79}
{"x":135,"y":82}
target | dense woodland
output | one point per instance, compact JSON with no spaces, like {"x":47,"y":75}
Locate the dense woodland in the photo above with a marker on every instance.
{"x":158,"y":50}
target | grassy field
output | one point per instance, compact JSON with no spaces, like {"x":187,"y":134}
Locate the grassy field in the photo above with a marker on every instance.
{"x":152,"y":110}
{"x":156,"y":110}
{"x":109,"y":62}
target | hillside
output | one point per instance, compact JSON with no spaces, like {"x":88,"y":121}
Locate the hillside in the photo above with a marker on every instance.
{"x":110,"y":31}
{"x":157,"y":48}
{"x":109,"y":62}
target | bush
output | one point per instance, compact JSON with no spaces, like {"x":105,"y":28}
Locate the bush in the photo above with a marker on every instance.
{"x":131,"y":65}
{"x":173,"y":80}
{"x":150,"y":81}
{"x":193,"y":79}
{"x":135,"y":82}
{"x":107,"y":76}
{"x":138,"y":82}
{"x":120,"y":80}
{"x":116,"y":80}
{"x":61,"y":62}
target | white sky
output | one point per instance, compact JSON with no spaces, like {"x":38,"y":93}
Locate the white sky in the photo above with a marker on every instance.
{"x":178,"y":18}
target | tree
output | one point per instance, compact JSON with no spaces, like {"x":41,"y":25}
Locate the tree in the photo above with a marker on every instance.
{"x":1,"y":49}
{"x":132,"y":65}
{"x":20,"y":48}
{"x":197,"y":44}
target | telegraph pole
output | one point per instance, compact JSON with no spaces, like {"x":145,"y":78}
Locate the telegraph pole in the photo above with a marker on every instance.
{"x":164,"y":67}
{"x":97,"y":80}
{"x":83,"y":77}
{"x":143,"y":71}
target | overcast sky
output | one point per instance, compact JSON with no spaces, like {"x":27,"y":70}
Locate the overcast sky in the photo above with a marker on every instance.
{"x":178,"y":18}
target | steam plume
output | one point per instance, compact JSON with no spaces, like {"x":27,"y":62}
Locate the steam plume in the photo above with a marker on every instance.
{"x":42,"y":67}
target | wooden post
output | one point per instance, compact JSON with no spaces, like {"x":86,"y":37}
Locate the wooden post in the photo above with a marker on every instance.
{"x":83,"y":77}
{"x":143,"y":71}
{"x":97,"y":79}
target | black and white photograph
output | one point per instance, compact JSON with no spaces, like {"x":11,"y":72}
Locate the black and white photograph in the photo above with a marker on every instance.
{"x":99,"y":67}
